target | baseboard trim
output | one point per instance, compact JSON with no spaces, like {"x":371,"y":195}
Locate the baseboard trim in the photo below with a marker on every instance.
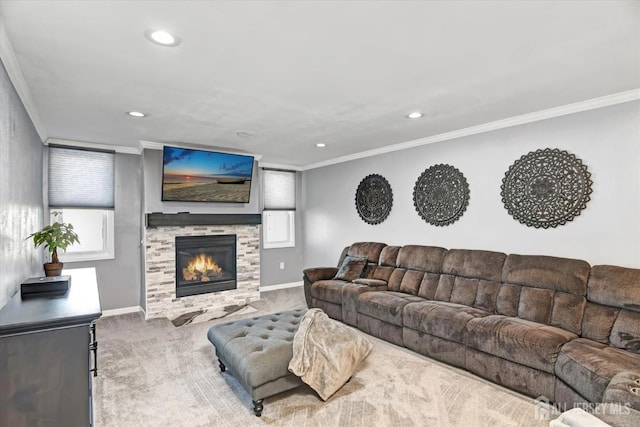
{"x":280,"y":286}
{"x":124,"y":310}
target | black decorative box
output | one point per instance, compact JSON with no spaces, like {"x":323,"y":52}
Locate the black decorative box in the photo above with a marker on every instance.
{"x":36,"y":285}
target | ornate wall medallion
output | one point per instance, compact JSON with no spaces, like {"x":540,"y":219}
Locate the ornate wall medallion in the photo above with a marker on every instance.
{"x":546,"y":188}
{"x":374,"y":199}
{"x":441,"y":195}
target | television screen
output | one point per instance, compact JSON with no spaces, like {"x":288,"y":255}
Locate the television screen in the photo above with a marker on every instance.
{"x":205,"y":176}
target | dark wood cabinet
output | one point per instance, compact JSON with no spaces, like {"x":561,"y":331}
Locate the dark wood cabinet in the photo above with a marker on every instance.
{"x":48,"y":356}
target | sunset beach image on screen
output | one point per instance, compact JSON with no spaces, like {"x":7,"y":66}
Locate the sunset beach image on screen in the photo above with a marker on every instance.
{"x":205,"y":176}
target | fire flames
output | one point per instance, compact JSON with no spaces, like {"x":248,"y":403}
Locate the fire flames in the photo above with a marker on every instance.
{"x":201,"y":268}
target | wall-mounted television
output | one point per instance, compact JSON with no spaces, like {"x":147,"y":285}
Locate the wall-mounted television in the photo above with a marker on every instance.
{"x":205,"y":176}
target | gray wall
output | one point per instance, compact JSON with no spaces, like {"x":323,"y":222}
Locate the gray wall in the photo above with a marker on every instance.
{"x":119,"y":279}
{"x":606,"y":232}
{"x":21,"y":211}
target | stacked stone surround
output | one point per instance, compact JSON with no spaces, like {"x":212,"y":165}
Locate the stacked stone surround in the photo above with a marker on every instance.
{"x":160,"y":270}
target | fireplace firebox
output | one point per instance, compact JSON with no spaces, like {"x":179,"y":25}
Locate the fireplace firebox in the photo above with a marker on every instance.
{"x":205,"y":264}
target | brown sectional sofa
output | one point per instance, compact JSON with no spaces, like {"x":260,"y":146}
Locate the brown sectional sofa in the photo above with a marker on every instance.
{"x":540,"y":325}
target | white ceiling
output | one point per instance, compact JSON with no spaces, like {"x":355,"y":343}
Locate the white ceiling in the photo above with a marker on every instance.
{"x":297,"y":73}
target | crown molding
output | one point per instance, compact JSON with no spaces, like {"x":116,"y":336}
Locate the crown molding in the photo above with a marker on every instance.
{"x":591,"y":104}
{"x":8,"y":57}
{"x":153,"y":145}
{"x":93,"y":145}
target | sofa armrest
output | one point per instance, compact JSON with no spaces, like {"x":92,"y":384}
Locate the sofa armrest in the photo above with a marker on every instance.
{"x":312,"y":275}
{"x":624,"y":389}
{"x":372,"y":283}
{"x":319,"y":273}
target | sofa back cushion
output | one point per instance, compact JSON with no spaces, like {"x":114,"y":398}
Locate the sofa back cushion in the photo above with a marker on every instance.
{"x":387,"y":263}
{"x":476,"y":277}
{"x":612,"y":315}
{"x":412,"y":264}
{"x":369,"y":250}
{"x":469,"y":277}
{"x":544,"y":289}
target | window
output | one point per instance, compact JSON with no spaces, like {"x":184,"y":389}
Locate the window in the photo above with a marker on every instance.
{"x":81,"y":188}
{"x":278,"y":216}
{"x":95,"y":229}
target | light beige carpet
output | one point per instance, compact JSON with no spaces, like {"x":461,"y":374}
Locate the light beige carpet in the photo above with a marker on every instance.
{"x":154,"y":374}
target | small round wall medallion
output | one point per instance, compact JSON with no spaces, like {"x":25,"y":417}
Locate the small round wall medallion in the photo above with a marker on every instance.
{"x":374,"y":199}
{"x":441,"y":195}
{"x":546,"y":188}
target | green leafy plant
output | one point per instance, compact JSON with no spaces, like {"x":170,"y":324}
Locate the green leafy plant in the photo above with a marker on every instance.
{"x":55,"y":236}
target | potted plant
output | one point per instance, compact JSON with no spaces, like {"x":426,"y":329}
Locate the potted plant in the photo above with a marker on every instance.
{"x":55,"y":236}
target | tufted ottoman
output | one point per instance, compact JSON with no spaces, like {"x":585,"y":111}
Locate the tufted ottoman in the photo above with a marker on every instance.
{"x":257,"y":352}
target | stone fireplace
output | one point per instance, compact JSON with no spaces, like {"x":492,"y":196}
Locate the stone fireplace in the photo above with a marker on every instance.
{"x":209,"y":285}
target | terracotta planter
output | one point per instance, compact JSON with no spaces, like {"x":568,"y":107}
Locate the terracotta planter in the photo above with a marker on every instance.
{"x":53,"y":268}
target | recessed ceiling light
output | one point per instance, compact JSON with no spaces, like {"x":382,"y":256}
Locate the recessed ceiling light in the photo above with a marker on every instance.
{"x":321,"y":145}
{"x":415,"y":115}
{"x":245,"y":133}
{"x":136,"y":114}
{"x":162,"y":37}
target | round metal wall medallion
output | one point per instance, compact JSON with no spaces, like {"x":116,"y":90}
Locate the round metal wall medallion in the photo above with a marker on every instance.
{"x":441,"y":195}
{"x":546,"y":188}
{"x":374,"y":199}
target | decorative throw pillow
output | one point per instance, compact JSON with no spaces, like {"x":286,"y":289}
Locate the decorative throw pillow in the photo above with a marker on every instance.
{"x":326,"y":352}
{"x":351,"y":268}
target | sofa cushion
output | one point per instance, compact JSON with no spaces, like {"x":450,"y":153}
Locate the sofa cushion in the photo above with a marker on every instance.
{"x":615,"y":286}
{"x":328,"y":290}
{"x":588,"y":366}
{"x":508,"y":299}
{"x":560,"y":274}
{"x":568,"y":310}
{"x":411,"y":281}
{"x":626,"y":331}
{"x":389,"y":256}
{"x":429,"y":285}
{"x":597,"y":322}
{"x":544,"y":289}
{"x":352,"y":267}
{"x":369,"y":250}
{"x":487,"y":295}
{"x":441,"y":319}
{"x":387,"y":263}
{"x":474,"y":264}
{"x":386,"y":306}
{"x":528,"y":343}
{"x":395,"y":279}
{"x":535,"y":305}
{"x":423,"y":258}
{"x":464,"y":291}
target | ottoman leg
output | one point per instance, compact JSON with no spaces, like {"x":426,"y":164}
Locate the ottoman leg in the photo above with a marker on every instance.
{"x":222,"y":367}
{"x":257,"y":407}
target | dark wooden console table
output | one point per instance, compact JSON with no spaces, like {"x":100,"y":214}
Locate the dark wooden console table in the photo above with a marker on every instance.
{"x":48,"y":357}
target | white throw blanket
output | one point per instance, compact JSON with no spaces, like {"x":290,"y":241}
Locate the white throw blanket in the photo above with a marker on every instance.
{"x":577,"y":417}
{"x":326,"y":352}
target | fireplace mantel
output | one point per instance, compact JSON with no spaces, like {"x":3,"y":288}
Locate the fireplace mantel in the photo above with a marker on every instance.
{"x":157,"y":219}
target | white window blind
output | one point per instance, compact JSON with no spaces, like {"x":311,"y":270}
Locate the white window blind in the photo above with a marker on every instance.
{"x":81,"y":178}
{"x":279,"y":189}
